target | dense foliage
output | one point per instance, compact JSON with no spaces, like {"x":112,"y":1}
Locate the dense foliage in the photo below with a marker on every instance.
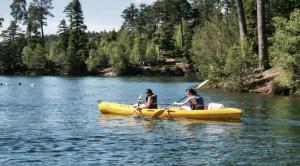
{"x":285,"y":52}
{"x":203,"y":33}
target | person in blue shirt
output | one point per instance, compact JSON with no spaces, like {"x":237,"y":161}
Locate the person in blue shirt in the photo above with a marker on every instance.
{"x":195,"y":101}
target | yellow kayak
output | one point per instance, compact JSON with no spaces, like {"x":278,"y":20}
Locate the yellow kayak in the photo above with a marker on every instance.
{"x":173,"y":112}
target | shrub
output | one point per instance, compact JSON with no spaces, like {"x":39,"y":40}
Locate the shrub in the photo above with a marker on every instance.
{"x":35,"y":58}
{"x":285,"y":52}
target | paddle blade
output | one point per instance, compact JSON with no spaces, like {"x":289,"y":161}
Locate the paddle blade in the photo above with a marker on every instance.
{"x":140,"y":97}
{"x":202,"y":84}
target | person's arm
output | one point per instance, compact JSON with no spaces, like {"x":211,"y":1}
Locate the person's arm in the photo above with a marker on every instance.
{"x":183,"y":103}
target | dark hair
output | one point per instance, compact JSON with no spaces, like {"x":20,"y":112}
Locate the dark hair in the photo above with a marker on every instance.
{"x":149,"y":91}
{"x":192,"y":91}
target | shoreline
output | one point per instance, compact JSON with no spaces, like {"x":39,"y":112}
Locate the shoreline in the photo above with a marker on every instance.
{"x":264,"y":88}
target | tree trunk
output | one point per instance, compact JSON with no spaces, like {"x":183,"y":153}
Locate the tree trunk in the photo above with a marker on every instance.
{"x":158,"y":53}
{"x":41,"y":20}
{"x":262,"y":41}
{"x":42,"y":29}
{"x":14,"y":32}
{"x":242,"y":22}
{"x":181,"y":31}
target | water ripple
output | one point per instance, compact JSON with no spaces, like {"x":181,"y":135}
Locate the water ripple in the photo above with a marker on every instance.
{"x":57,"y":123}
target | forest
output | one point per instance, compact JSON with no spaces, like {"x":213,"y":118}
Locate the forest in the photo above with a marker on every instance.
{"x":229,"y":42}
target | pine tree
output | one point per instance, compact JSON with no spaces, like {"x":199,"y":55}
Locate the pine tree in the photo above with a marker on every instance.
{"x":63,"y":34}
{"x":262,"y":40}
{"x":75,"y":15}
{"x":138,"y":50}
{"x":11,"y":33}
{"x":130,"y":15}
{"x":179,"y":10}
{"x":242,"y":21}
{"x":42,"y":8}
{"x":35,"y":58}
{"x":1,"y":20}
{"x":164,"y":37}
{"x":18,"y":10}
{"x":32,"y":22}
{"x":58,"y":49}
{"x":77,"y":52}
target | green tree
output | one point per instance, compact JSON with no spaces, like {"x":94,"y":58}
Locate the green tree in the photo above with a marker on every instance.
{"x":203,"y":10}
{"x":6,"y":60}
{"x":151,"y":55}
{"x":75,"y":16}
{"x":145,"y":22}
{"x":242,"y":22}
{"x":130,"y":15}
{"x":211,"y":43}
{"x":33,"y":25}
{"x":58,"y":49}
{"x":63,"y":34}
{"x":58,"y":57}
{"x":118,"y":58}
{"x":285,"y":52}
{"x":18,"y":10}
{"x":179,"y":10}
{"x":138,"y":50}
{"x":262,"y":40}
{"x":126,"y":41}
{"x":13,"y":43}
{"x":187,"y":38}
{"x":35,"y":58}
{"x":77,"y":51}
{"x":1,"y":21}
{"x":165,"y":38}
{"x":42,"y":9}
{"x":98,"y":58}
{"x":11,"y":33}
{"x":240,"y":64}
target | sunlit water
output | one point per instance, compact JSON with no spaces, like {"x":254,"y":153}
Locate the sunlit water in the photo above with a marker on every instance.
{"x":56,"y":122}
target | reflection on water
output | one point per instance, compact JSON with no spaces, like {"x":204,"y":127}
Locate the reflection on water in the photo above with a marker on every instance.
{"x":58,"y":122}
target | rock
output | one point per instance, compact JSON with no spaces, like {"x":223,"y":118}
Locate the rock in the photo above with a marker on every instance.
{"x":262,"y":82}
{"x":108,"y":72}
{"x":183,"y":66}
{"x":170,"y":60}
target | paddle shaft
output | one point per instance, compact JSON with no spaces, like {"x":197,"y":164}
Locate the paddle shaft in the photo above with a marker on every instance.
{"x":176,"y":102}
{"x":180,"y":99}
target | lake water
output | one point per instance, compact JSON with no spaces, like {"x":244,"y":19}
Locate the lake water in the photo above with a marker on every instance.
{"x":57,"y":122}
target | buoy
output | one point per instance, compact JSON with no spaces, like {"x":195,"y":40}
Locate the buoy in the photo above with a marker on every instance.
{"x":20,"y":83}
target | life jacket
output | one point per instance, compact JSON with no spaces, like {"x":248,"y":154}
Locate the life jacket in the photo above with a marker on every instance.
{"x":199,"y":105}
{"x":154,"y":103}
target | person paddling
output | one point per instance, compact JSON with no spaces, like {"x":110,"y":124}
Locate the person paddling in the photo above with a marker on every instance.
{"x":151,"y":102}
{"x":196,"y":101}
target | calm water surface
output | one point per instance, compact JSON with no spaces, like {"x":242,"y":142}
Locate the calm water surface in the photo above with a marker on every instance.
{"x":56,"y":122}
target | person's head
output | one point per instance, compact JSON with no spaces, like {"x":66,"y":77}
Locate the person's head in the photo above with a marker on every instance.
{"x":149,"y":92}
{"x":191,"y":92}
